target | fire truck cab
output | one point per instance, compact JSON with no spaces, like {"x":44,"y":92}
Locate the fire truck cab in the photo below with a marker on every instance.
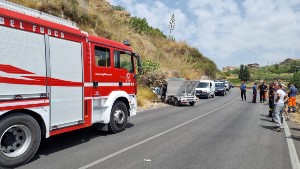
{"x":55,"y":78}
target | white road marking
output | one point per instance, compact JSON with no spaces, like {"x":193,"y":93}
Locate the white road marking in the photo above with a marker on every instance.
{"x":151,"y":138}
{"x":291,"y":146}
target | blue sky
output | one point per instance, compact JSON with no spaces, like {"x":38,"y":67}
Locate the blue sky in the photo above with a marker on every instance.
{"x":230,"y":32}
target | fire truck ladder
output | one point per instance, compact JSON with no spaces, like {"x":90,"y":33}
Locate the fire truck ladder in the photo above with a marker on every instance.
{"x":35,"y":13}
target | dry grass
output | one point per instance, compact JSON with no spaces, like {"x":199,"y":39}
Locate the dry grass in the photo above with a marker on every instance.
{"x":144,"y":96}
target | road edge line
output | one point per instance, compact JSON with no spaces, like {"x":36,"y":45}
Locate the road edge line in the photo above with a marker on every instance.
{"x":292,"y":150}
{"x":151,"y":138}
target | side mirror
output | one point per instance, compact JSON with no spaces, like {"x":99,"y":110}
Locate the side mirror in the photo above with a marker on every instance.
{"x":140,"y":70}
{"x":139,"y":60}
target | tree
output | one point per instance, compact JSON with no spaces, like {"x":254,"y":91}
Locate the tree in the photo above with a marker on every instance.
{"x":241,"y":71}
{"x":276,"y":66}
{"x":244,"y":73}
{"x":295,"y":80}
{"x":171,"y":25}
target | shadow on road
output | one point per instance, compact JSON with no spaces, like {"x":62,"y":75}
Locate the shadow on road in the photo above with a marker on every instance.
{"x":268,"y":120}
{"x":293,"y":136}
{"x":268,"y":127}
{"x":70,"y":139}
{"x":296,"y":129}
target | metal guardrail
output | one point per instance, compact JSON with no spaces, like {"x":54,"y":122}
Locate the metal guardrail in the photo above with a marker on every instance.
{"x":35,"y":13}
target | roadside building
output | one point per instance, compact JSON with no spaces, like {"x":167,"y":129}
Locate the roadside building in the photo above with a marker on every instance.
{"x":253,"y":65}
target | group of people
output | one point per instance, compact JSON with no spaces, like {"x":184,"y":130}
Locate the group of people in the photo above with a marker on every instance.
{"x":280,"y":100}
{"x":262,"y":92}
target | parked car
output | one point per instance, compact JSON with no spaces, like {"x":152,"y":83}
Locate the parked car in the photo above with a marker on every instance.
{"x":227,"y":85}
{"x":220,"y":88}
{"x":206,"y":89}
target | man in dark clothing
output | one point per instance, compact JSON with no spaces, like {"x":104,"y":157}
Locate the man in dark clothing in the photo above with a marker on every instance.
{"x":271,"y":99}
{"x":262,"y":92}
{"x":243,"y":88}
{"x":164,"y":91}
{"x":254,"y":92}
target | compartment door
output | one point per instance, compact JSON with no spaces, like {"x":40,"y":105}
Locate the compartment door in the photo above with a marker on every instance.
{"x":65,"y":82}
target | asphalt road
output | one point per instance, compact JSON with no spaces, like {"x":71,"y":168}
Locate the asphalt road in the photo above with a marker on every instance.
{"x":218,"y":133}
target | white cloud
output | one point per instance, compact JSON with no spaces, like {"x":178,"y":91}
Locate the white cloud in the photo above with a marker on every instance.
{"x":226,"y":31}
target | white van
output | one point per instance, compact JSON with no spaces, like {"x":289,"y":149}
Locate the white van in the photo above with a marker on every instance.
{"x":206,"y":88}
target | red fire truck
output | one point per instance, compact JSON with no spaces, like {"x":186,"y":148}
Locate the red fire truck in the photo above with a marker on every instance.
{"x":55,"y":78}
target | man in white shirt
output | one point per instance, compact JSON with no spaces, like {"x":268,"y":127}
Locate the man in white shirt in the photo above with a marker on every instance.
{"x":280,"y":97}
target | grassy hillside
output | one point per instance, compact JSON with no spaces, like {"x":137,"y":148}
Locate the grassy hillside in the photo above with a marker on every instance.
{"x":159,"y":54}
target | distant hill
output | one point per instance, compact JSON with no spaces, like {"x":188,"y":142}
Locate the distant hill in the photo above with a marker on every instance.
{"x":99,"y":18}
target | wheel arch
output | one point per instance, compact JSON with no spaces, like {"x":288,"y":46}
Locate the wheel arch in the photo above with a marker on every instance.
{"x":125,"y":101}
{"x":31,"y":113}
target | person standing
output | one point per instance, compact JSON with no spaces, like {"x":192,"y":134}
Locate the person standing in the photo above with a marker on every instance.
{"x":243,"y":90}
{"x":280,"y":98}
{"x":271,"y":99}
{"x":285,"y":111}
{"x":262,"y":92}
{"x":254,"y":92}
{"x":292,"y":98}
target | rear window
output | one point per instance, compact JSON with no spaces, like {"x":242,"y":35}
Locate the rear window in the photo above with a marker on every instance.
{"x":219,"y":84}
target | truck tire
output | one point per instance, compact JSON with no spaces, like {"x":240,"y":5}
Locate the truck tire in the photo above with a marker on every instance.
{"x":20,"y":137}
{"x":118,"y":117}
{"x":213,"y":96}
{"x":192,"y":103}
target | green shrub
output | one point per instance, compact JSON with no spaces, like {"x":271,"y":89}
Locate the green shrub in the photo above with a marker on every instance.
{"x":118,"y":8}
{"x":149,"y":66}
{"x":142,"y":26}
{"x":295,"y":80}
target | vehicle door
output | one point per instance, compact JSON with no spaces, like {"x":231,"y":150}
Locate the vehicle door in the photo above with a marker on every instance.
{"x":103,"y":76}
{"x":124,"y":68}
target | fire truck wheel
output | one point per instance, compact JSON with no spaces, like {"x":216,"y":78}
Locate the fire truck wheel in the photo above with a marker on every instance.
{"x":20,"y":137}
{"x":118,"y":117}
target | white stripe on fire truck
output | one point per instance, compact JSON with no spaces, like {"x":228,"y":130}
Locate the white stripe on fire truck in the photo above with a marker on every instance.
{"x":109,"y":84}
{"x":92,"y":98}
{"x":23,"y":103}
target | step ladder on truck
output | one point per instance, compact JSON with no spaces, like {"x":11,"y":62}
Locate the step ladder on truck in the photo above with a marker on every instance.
{"x":55,"y":78}
{"x":180,"y":91}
